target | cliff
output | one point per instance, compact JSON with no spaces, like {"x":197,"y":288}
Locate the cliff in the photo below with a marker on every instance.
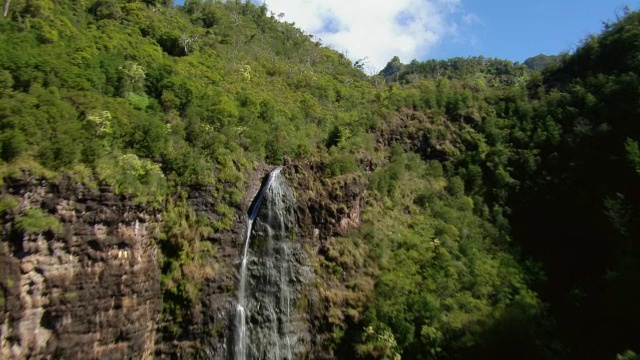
{"x":323,"y":208}
{"x":86,"y":282}
{"x":86,"y":287}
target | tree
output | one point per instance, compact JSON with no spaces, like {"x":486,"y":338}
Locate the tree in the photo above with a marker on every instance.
{"x":393,"y":69}
{"x":187,"y":42}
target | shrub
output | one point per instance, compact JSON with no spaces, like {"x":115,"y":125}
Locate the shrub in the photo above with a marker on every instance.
{"x":130,"y":175}
{"x":7,"y":203}
{"x":36,"y":221}
{"x":341,"y":164}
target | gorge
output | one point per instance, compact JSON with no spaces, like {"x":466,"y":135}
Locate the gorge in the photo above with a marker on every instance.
{"x":208,"y":181}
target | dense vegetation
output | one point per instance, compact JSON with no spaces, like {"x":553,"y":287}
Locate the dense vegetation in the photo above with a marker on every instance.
{"x":502,"y":217}
{"x":541,"y":61}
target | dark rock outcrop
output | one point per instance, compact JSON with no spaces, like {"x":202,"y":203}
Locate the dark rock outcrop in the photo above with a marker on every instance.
{"x":324,"y":208}
{"x":91,"y":290}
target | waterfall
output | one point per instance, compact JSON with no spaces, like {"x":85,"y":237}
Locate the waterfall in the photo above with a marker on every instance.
{"x":263,"y":326}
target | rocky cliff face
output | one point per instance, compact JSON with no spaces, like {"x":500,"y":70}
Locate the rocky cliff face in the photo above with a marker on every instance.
{"x":90,"y":289}
{"x":324,"y":208}
{"x":327,"y":208}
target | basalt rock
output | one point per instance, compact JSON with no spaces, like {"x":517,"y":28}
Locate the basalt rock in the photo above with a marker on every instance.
{"x":324,"y":208}
{"x":91,"y":290}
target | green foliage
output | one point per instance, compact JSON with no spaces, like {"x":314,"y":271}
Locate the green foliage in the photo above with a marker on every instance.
{"x":386,"y":180}
{"x":541,"y":61}
{"x":25,"y":164}
{"x":444,"y":284}
{"x":473,"y":165}
{"x":36,"y":221}
{"x":481,"y":70}
{"x":341,"y":164}
{"x":185,"y":262}
{"x":13,"y":143}
{"x":633,"y":153}
{"x":442,"y":280}
{"x":130,"y":175}
{"x":8,"y":203}
{"x":379,"y":344}
{"x":138,"y":102}
{"x":148,"y":56}
{"x":627,"y":355}
{"x":70,"y":295}
{"x":132,"y":77}
{"x":581,"y":126}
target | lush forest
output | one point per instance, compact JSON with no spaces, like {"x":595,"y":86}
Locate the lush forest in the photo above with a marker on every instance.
{"x":503,"y":210}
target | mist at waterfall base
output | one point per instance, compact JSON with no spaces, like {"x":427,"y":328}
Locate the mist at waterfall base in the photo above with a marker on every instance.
{"x":266,"y":325}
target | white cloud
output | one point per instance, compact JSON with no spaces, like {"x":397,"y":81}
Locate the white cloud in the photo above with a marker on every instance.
{"x":377,"y":29}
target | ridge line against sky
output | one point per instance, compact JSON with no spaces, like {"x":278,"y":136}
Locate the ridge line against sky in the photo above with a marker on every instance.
{"x":425,"y":29}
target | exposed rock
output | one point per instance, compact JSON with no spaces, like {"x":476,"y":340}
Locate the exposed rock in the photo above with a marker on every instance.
{"x":326,"y":206}
{"x":92,"y":291}
{"x":426,"y":134}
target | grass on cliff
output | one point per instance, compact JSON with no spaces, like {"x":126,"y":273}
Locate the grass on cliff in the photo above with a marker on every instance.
{"x":186,"y":262}
{"x":36,"y":221}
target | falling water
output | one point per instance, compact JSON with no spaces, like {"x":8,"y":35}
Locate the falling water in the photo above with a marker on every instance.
{"x":263,"y":311}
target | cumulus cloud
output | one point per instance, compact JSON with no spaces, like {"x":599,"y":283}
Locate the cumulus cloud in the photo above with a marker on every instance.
{"x":377,"y":29}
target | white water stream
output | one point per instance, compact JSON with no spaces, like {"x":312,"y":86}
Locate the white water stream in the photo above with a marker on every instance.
{"x":269,"y":338}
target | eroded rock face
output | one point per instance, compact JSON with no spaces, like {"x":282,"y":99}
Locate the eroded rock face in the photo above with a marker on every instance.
{"x":92,"y":290}
{"x":324,"y":208}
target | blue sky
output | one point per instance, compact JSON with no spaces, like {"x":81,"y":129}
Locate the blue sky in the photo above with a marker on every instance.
{"x":517,"y":30}
{"x":425,"y":29}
